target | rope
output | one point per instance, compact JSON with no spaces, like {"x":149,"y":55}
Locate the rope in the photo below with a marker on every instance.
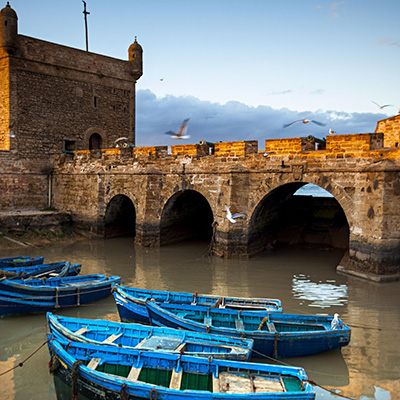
{"x":308,"y":380}
{"x":26,"y":359}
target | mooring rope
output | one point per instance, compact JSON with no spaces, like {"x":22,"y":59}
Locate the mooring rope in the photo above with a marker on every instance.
{"x":20,"y":364}
{"x":308,"y":380}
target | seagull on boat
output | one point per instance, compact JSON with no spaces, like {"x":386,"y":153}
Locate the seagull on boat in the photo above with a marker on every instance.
{"x":304,"y":121}
{"x":181,"y":134}
{"x":231,"y":217}
{"x":331,"y":131}
{"x":385,"y":105}
{"x":335,"y":324}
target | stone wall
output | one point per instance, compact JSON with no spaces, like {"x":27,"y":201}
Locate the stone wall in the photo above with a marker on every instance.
{"x":391,"y":128}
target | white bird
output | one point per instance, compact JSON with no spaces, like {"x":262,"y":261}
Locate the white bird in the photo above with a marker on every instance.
{"x":331,"y":131}
{"x":335,"y":324}
{"x":181,"y":131}
{"x":231,"y":217}
{"x":121,"y":139}
{"x":304,"y":121}
{"x":380,"y":107}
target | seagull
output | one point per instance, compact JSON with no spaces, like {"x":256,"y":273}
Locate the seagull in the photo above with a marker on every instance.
{"x":331,"y":131}
{"x":231,"y":217}
{"x":335,"y":324}
{"x":304,"y":121}
{"x":267,"y":153}
{"x":121,"y":139}
{"x":181,"y":131}
{"x":380,"y":107}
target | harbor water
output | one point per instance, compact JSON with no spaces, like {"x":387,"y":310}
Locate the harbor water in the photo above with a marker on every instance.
{"x":305,"y":280}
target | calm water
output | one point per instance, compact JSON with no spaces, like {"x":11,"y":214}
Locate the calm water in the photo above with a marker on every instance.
{"x":305,"y":281}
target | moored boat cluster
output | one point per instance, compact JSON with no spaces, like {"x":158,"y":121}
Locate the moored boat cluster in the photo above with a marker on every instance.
{"x":168,"y":345}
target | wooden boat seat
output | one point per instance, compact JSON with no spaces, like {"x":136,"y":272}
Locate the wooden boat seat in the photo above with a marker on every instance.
{"x":215,"y":382}
{"x":112,"y":338}
{"x":93,"y":363}
{"x":243,"y":383}
{"x":176,"y":379}
{"x":134,"y":374}
{"x":81,"y":331}
{"x":180,"y":347}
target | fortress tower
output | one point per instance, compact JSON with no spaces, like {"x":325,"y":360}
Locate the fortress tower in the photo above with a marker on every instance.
{"x":55,"y":98}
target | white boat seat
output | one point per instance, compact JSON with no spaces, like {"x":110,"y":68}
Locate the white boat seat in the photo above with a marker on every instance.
{"x":134,"y":374}
{"x":81,"y":331}
{"x":94,"y":362}
{"x":176,"y":379}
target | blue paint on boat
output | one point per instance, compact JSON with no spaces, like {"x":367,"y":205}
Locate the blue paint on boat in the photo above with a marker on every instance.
{"x":115,"y":373}
{"x":144,"y":337}
{"x":131,"y":302}
{"x":277,"y":335}
{"x":21,"y":296}
{"x":20,"y":261}
{"x":59,"y":269}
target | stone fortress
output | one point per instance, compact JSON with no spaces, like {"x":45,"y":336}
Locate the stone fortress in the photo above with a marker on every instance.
{"x":63,"y":109}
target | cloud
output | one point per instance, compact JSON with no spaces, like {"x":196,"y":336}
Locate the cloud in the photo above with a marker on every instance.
{"x":235,"y":121}
{"x":280,"y":93}
{"x":390,"y":42}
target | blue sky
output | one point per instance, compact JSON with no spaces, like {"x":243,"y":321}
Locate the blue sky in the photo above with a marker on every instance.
{"x":240,"y":69}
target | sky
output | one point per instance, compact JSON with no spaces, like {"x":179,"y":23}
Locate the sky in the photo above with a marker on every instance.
{"x":241,"y":69}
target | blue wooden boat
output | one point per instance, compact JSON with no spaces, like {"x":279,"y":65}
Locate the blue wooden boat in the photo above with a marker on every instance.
{"x":131,"y":302}
{"x":19,"y":296}
{"x":144,"y":337}
{"x":117,"y":373}
{"x":277,"y":335}
{"x":20,"y":261}
{"x":59,"y":269}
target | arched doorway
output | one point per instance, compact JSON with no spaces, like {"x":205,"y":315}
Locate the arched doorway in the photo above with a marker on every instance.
{"x":95,"y":142}
{"x":308,"y":217}
{"x":186,"y":215}
{"x":120,"y":217}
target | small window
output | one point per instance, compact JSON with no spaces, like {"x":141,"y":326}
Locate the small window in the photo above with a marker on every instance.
{"x":95,"y":101}
{"x":69,"y":145}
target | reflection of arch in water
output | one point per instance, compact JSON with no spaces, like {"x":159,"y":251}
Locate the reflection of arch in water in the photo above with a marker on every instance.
{"x":120,"y":217}
{"x":282,"y":217}
{"x":186,"y":215}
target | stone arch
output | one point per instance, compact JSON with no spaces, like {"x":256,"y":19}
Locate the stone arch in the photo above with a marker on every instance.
{"x":120,"y":217}
{"x":92,"y":133}
{"x":187,"y":214}
{"x":281,"y":217}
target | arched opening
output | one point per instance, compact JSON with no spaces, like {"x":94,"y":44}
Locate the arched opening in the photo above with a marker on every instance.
{"x":120,"y":218}
{"x":309,"y":217}
{"x":186,"y":215}
{"x":95,"y":142}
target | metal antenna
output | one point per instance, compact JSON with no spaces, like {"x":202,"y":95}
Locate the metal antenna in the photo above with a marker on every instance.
{"x":86,"y":28}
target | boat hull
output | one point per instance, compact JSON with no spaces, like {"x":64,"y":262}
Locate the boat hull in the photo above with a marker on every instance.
{"x":99,"y":384}
{"x":21,"y":261}
{"x":144,"y":337}
{"x":131,"y":302}
{"x":278,"y":344}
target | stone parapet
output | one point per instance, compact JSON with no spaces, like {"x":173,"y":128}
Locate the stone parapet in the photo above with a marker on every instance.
{"x":236,"y":149}
{"x":391,"y":129}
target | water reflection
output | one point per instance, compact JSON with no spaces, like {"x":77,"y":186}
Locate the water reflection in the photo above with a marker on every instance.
{"x":319,"y":294}
{"x":305,"y":280}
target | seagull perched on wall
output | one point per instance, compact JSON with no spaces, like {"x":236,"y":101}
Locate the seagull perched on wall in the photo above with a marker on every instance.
{"x":231,"y":217}
{"x":331,"y":131}
{"x":385,"y":105}
{"x":304,"y":121}
{"x":181,"y":134}
{"x":121,"y":139}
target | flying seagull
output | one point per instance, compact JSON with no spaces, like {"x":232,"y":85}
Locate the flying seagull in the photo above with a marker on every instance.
{"x":231,"y":217}
{"x":331,"y":131}
{"x":181,"y":131}
{"x":380,"y":107}
{"x":304,"y":121}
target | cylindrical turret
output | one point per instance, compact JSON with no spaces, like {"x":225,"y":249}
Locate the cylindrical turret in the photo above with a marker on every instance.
{"x":8,"y":29}
{"x":135,"y":54}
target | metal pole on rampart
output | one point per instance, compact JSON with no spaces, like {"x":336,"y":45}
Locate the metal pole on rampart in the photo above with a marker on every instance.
{"x":85,"y":13}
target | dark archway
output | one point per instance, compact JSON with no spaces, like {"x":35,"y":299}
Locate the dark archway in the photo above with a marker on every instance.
{"x":186,"y":215}
{"x":95,"y":142}
{"x":120,"y":218}
{"x":289,"y":218}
